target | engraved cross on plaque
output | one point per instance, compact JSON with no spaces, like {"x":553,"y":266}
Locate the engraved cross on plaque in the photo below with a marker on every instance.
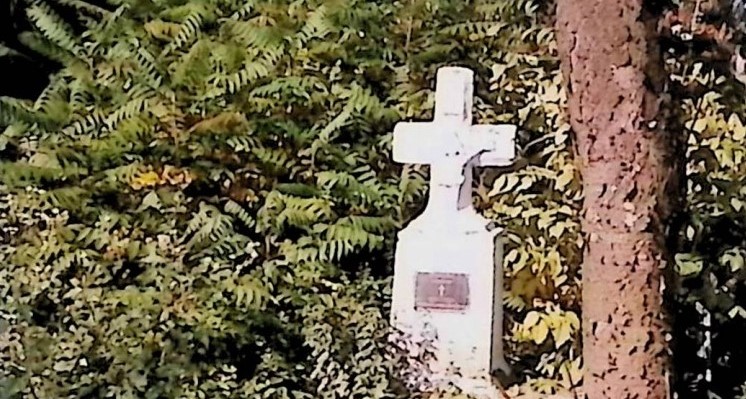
{"x":451,"y":145}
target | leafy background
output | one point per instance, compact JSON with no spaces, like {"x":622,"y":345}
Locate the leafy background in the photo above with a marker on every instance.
{"x":201,"y":203}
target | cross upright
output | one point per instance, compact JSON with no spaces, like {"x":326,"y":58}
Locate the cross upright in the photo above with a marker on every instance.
{"x":451,"y":145}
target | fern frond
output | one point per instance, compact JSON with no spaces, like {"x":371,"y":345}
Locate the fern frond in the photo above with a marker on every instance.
{"x":189,"y":30}
{"x":300,"y":253}
{"x":297,"y":86}
{"x":118,"y":64}
{"x":233,"y":208}
{"x":148,"y":67}
{"x":53,"y":27}
{"x":86,"y":124}
{"x":348,"y":235}
{"x":488,"y":11}
{"x":365,"y":102}
{"x":127,"y":110}
{"x":273,"y":54}
{"x":113,"y":148}
{"x":111,"y":74}
{"x":13,"y":110}
{"x":45,"y":47}
{"x":80,"y":95}
{"x":194,"y":67}
{"x":6,"y":51}
{"x":250,"y":35}
{"x":54,"y":91}
{"x":303,"y":211}
{"x":22,"y":174}
{"x":475,"y":30}
{"x":243,"y":143}
{"x":316,"y":27}
{"x":85,"y":6}
{"x":339,"y":121}
{"x":73,"y":198}
{"x":209,"y":224}
{"x":364,"y":190}
{"x":275,"y":160}
{"x":122,"y":175}
{"x":299,"y":190}
{"x":211,"y":233}
{"x":249,"y":73}
{"x":282,"y":210}
{"x":246,"y":10}
{"x":370,"y":224}
{"x":162,"y":30}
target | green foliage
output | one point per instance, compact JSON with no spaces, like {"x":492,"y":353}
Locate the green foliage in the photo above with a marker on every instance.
{"x":707,"y":279}
{"x":202,"y":203}
{"x":538,"y":203}
{"x":710,"y":262}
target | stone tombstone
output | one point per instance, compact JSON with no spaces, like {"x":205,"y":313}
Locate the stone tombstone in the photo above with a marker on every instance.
{"x":448,"y":263}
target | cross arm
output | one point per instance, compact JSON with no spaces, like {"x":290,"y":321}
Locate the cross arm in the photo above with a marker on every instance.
{"x":496,"y":143}
{"x":423,"y":143}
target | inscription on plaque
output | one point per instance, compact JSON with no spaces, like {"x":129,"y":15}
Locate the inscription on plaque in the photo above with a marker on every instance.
{"x":441,"y":291}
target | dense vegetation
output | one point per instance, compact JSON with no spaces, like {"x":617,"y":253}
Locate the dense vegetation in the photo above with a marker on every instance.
{"x":202,"y":202}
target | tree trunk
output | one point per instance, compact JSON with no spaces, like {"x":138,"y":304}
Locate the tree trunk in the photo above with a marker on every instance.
{"x":612,"y":69}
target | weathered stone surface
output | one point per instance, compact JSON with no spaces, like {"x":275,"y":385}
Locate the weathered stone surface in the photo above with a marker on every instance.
{"x":448,"y":276}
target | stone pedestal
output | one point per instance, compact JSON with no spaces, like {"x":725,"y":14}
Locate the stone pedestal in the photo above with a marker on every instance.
{"x":447,"y":288}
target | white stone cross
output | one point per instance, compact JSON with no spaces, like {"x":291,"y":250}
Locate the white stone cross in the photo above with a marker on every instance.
{"x":448,"y":264}
{"x":451,"y":145}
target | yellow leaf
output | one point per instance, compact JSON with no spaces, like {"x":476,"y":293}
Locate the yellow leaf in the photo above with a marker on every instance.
{"x":725,"y":154}
{"x":700,"y":125}
{"x":736,"y":204}
{"x":690,"y":232}
{"x":224,"y":122}
{"x":576,"y":372}
{"x":688,"y":264}
{"x":573,"y":320}
{"x":557,"y":229}
{"x":513,"y":211}
{"x":737,"y":311}
{"x":526,"y":182}
{"x":521,"y":262}
{"x":735,"y":125}
{"x":551,"y":94}
{"x":503,"y":184}
{"x":532,"y":318}
{"x":544,"y":221}
{"x":565,"y":177}
{"x":161,"y":29}
{"x":497,"y":71}
{"x":571,"y":371}
{"x":540,"y":332}
{"x":142,"y":180}
{"x":512,"y":255}
{"x":561,"y":335}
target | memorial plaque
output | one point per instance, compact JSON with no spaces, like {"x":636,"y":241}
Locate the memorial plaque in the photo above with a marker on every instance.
{"x":441,"y":291}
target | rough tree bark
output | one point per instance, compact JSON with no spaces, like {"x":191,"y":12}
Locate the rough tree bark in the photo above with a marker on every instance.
{"x":610,"y":61}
